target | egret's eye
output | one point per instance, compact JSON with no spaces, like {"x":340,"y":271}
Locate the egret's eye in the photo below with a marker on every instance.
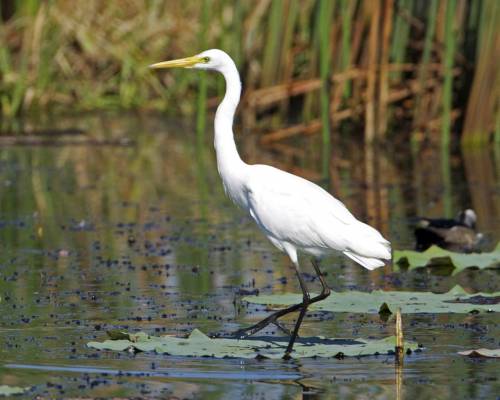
{"x":206,"y":59}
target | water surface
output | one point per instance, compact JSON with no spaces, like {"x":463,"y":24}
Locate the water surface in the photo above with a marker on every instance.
{"x":141,"y":237}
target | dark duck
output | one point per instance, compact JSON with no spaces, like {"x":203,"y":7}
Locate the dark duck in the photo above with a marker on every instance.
{"x":457,"y":234}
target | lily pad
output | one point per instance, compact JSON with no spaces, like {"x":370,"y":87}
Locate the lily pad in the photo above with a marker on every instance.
{"x":457,"y":300}
{"x":490,"y":353}
{"x":197,"y":344}
{"x":6,"y":390}
{"x":436,"y":256}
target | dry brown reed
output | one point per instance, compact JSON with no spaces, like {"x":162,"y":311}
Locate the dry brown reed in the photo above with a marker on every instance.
{"x":386,"y":61}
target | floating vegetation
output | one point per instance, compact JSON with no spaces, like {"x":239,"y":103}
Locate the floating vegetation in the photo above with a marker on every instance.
{"x":6,"y":390}
{"x":457,"y":300}
{"x":435,"y":256}
{"x":197,"y":344}
{"x":488,"y":353}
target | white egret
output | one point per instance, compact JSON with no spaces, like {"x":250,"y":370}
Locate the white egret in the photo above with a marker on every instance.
{"x":295,"y":214}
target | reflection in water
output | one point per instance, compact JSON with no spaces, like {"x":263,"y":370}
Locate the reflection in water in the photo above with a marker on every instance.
{"x":143,"y":237}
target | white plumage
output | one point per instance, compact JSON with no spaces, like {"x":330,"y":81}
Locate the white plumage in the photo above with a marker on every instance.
{"x":295,"y":214}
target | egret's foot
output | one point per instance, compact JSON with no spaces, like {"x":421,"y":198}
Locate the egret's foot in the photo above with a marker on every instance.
{"x":273,"y":318}
{"x":246,"y":332}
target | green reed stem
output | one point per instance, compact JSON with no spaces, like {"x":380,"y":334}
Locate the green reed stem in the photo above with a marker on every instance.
{"x":400,"y":36}
{"x":426,"y":55}
{"x":201,"y":113}
{"x":496,"y":137}
{"x":27,"y":7}
{"x":287,"y":46}
{"x":12,"y":93}
{"x":474,"y":14}
{"x":429,"y":36}
{"x":449,"y":52}
{"x":237,"y":33}
{"x":345,"y":7}
{"x":270,"y":64}
{"x":310,"y":36}
{"x":325,"y":16}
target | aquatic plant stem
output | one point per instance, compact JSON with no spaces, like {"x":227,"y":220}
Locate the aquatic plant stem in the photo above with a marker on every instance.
{"x":201,"y":114}
{"x":449,"y":52}
{"x":325,"y":10}
{"x":399,"y":338}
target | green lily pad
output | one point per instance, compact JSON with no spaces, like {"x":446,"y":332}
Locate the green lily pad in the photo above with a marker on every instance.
{"x":436,"y":256}
{"x":454,"y":301}
{"x":6,"y":390}
{"x":490,"y":353}
{"x":197,"y":344}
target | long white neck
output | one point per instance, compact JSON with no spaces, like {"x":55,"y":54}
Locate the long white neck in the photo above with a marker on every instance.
{"x":231,"y":167}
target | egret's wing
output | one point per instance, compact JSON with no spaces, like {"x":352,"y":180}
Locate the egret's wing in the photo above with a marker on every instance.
{"x":295,"y":210}
{"x":291,"y":209}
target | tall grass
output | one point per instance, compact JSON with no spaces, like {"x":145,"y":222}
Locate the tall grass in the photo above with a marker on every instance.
{"x":346,"y":7}
{"x":371,"y":70}
{"x":449,"y":50}
{"x":202,"y":87}
{"x":271,"y":59}
{"x":484,"y":98}
{"x":325,"y":11}
{"x":91,"y":55}
{"x":401,"y":34}
{"x":423,"y":69}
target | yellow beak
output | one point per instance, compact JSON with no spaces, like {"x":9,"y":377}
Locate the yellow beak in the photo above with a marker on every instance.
{"x":187,"y":62}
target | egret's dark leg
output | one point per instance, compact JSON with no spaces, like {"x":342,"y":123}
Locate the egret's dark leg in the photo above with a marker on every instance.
{"x":306,"y":300}
{"x":325,"y":290}
{"x":273,"y":318}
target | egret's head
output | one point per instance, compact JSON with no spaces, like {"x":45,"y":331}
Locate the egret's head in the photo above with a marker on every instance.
{"x":210,"y":59}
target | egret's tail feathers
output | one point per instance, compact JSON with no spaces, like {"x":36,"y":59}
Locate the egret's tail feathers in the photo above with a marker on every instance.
{"x":365,"y":241}
{"x":367,"y":262}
